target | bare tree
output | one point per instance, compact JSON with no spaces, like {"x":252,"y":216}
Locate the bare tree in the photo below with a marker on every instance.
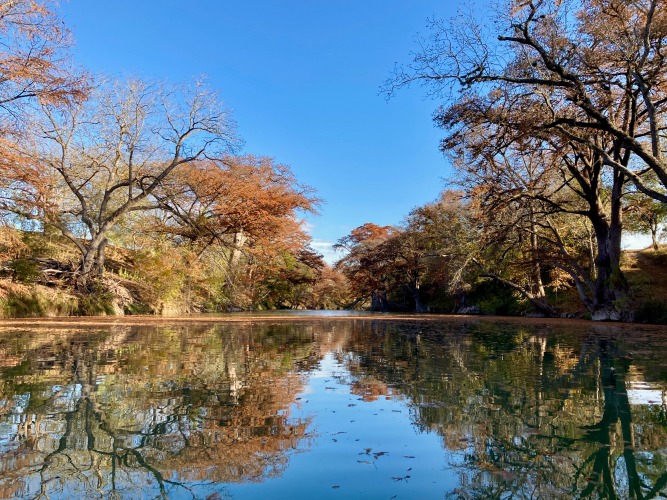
{"x":96,"y":161}
{"x":602,"y":64}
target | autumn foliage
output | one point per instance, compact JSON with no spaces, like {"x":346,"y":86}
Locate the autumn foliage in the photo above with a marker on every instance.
{"x":143,"y":183}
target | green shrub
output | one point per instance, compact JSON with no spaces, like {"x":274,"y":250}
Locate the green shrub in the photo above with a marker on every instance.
{"x":24,"y":270}
{"x":97,"y":303}
{"x":38,"y":302}
{"x":496,"y":298}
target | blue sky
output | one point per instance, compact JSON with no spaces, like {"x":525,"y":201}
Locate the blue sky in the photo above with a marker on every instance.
{"x":302,"y":78}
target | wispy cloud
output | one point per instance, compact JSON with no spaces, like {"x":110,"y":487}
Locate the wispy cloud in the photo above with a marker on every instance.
{"x":326,"y":249}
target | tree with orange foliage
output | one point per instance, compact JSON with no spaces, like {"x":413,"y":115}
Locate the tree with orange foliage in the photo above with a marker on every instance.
{"x":330,"y":290}
{"x":366,"y":265}
{"x":98,"y":160}
{"x":34,"y":68}
{"x":248,"y":208}
{"x":581,"y":80}
{"x":34,"y":60}
{"x":243,"y":196}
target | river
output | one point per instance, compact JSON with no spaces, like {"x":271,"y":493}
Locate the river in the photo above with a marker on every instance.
{"x":331,"y":405}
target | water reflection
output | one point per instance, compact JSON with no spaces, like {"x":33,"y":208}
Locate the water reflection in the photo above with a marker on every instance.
{"x":521,"y":411}
{"x":133,"y":410}
{"x":535,"y":413}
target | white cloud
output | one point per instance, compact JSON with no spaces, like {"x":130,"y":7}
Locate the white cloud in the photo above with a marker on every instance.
{"x":326,"y":249}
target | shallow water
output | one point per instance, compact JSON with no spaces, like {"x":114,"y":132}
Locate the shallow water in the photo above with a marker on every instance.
{"x":358,"y":407}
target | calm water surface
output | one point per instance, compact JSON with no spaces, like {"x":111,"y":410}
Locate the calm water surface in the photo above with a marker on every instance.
{"x":337,"y":407}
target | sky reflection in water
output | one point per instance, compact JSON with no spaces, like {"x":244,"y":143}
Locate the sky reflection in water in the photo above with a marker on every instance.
{"x":338,"y":408}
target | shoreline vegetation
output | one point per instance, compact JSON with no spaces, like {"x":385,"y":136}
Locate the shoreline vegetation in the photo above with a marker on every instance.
{"x":41,"y":284}
{"x":134,"y":197}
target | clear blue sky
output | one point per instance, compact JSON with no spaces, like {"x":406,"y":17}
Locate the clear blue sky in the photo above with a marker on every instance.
{"x":302,"y":78}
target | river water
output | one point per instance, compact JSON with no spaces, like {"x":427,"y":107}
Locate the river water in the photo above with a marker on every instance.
{"x":332,"y":406}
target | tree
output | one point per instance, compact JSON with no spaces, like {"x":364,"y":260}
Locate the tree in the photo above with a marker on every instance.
{"x":246,"y":210}
{"x":599,"y":65}
{"x":34,"y":61}
{"x":644,"y":215}
{"x":365,"y":267}
{"x":242,"y":196}
{"x":527,"y":185}
{"x":446,"y":244}
{"x":99,"y":160}
{"x":34,"y":68}
{"x":558,"y":83}
{"x":330,"y":290}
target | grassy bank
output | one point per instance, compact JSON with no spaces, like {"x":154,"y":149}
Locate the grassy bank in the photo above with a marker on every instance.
{"x":38,"y":271}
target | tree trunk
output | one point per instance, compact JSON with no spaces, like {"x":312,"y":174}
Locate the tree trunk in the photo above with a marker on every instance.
{"x":611,"y":287}
{"x":235,"y":257}
{"x":379,"y":302}
{"x":617,"y":410}
{"x":92,"y":263}
{"x":538,"y":285}
{"x":414,"y":291}
{"x":101,"y":257}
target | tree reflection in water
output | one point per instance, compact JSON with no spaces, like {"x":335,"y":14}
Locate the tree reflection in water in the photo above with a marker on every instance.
{"x":526,"y":411}
{"x":536,"y":413}
{"x":129,"y":410}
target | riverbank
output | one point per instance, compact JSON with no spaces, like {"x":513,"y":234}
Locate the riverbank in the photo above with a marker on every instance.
{"x":38,"y":280}
{"x":294,"y":317}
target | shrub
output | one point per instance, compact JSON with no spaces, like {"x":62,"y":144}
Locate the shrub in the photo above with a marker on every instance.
{"x":24,"y":270}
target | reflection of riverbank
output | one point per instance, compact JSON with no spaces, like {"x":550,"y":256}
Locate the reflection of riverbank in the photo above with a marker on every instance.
{"x":306,"y":316}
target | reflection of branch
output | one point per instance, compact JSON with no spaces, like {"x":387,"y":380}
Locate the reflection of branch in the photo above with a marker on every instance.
{"x":62,"y":446}
{"x":157,"y":474}
{"x":659,"y":485}
{"x":139,"y":457}
{"x":580,"y":471}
